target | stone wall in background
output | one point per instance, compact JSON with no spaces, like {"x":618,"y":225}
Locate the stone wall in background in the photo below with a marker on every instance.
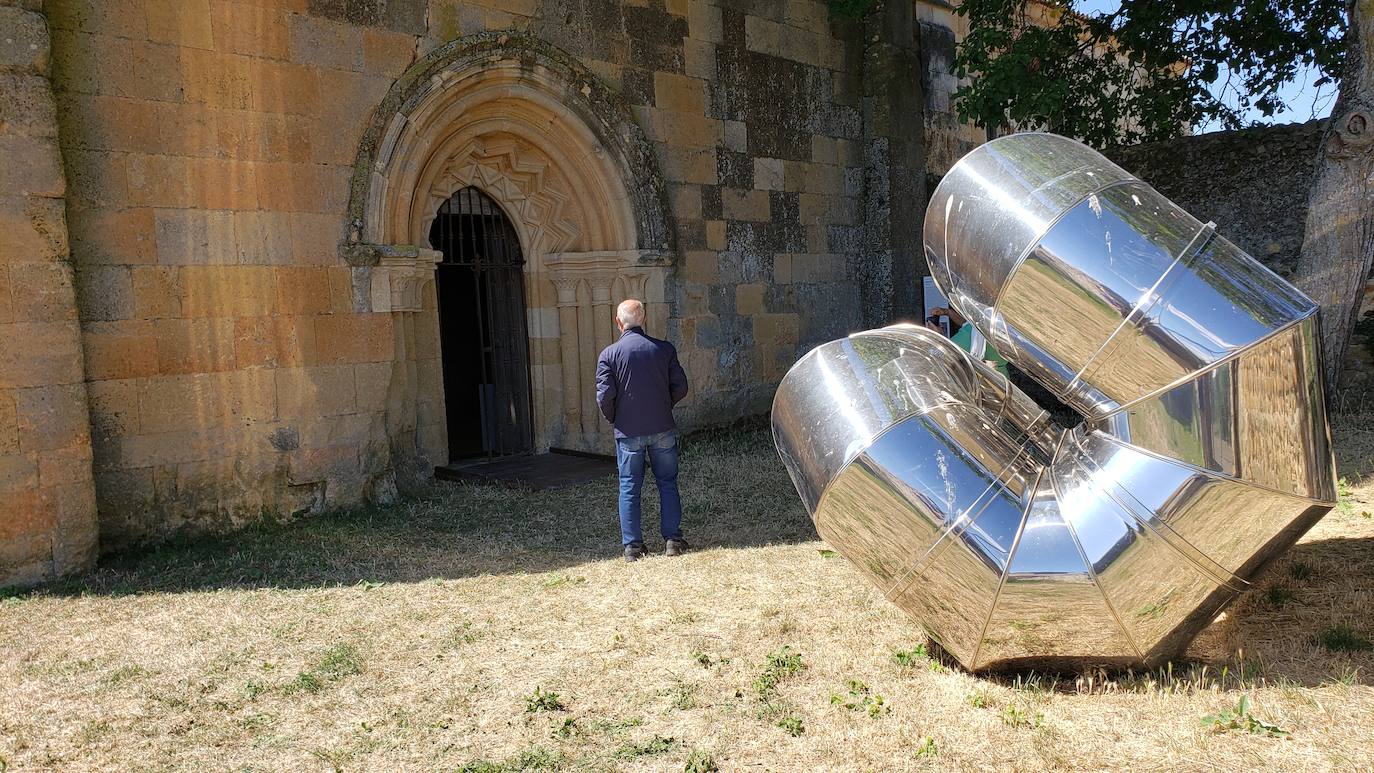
{"x":947,"y":138}
{"x":47,"y":502}
{"x":1254,"y":184}
{"x":239,"y":366}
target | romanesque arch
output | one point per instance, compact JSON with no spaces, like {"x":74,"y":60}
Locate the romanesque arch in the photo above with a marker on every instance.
{"x":526,"y":124}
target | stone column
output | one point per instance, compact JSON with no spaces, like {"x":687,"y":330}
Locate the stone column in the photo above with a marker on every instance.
{"x":603,"y":310}
{"x":891,"y":264}
{"x":398,"y":279}
{"x":48,"y":524}
{"x":567,"y":336}
{"x":584,"y":355}
{"x":585,"y":328}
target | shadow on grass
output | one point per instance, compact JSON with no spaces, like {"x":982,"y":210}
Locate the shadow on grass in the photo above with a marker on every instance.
{"x":735,"y":492}
{"x":1353,"y":436}
{"x":1306,"y":622}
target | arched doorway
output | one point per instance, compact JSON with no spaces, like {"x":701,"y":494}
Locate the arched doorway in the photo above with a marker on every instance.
{"x":482,"y":336}
{"x":561,"y":155}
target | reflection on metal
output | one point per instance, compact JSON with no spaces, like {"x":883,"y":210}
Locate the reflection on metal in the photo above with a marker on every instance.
{"x":1205,"y":449}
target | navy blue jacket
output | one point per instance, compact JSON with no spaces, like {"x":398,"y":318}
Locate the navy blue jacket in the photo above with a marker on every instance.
{"x":638,"y":381}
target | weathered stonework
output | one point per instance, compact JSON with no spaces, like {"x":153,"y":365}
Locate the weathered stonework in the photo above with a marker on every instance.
{"x":947,"y":138}
{"x":1252,"y":183}
{"x":249,"y":190}
{"x":47,"y":501}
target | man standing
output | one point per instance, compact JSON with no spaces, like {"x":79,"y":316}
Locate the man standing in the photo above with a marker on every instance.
{"x":638,"y":381}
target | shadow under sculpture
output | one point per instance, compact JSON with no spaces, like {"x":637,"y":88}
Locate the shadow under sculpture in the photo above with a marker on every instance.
{"x":1204,"y":452}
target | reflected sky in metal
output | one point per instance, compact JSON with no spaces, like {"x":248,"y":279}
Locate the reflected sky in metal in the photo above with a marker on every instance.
{"x":1205,"y":451}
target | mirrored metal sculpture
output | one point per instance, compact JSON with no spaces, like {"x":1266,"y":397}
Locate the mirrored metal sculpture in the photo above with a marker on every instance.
{"x":1204,"y":451}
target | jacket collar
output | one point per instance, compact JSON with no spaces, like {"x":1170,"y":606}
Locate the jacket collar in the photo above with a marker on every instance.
{"x":629,"y":330}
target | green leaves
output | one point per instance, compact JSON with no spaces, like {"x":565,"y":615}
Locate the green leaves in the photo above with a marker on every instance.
{"x":1240,"y":719}
{"x":1147,"y":71}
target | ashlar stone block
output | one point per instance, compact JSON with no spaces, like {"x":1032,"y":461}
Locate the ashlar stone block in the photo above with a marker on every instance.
{"x":120,"y":350}
{"x":31,"y":229}
{"x":52,"y":417}
{"x":38,"y":354}
{"x":24,"y":46}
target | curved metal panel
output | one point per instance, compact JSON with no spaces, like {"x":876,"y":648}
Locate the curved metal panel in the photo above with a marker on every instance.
{"x":1206,"y":451}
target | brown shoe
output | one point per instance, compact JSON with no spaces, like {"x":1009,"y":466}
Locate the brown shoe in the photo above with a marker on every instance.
{"x":676,"y":547}
{"x":634,"y":551}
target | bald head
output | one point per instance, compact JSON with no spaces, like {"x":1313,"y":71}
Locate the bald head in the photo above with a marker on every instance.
{"x":630,"y":313}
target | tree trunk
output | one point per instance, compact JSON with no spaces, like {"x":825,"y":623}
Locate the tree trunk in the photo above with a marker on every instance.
{"x":1338,"y":244}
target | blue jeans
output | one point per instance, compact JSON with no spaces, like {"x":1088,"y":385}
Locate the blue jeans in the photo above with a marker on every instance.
{"x":660,"y":452}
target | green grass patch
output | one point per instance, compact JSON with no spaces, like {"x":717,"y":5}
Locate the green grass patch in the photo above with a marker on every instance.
{"x":650,"y":748}
{"x":912,"y":657}
{"x":336,"y":663}
{"x":792,"y":725}
{"x":1017,"y":716}
{"x":1239,"y":719}
{"x":700,"y":762}
{"x":1343,"y":638}
{"x":860,"y":698}
{"x":535,"y":758}
{"x":780,"y":665}
{"x":543,"y":700}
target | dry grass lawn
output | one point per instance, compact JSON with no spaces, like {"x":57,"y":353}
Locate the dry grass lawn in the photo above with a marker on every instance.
{"x":482,"y":629}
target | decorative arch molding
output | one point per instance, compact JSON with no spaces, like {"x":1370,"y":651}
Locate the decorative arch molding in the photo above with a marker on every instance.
{"x":522,"y":183}
{"x":527,"y":89}
{"x":560,"y":152}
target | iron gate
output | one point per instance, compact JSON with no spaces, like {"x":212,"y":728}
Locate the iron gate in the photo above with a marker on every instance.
{"x":485,"y":348}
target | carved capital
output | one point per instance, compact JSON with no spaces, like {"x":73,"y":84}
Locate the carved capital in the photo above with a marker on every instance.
{"x":635,"y":283}
{"x":399,"y":276}
{"x":567,"y":289}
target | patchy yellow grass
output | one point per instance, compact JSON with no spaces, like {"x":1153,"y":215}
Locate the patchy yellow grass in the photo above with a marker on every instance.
{"x":480,"y":624}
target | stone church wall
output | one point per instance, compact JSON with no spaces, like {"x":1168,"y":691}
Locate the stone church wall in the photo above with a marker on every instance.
{"x":241,"y":364}
{"x":47,"y":502}
{"x":209,"y":147}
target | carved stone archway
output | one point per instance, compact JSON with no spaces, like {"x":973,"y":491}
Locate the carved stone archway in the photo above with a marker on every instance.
{"x":526,"y":124}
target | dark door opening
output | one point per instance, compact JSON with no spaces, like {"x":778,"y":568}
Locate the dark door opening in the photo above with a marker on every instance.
{"x":482,"y":336}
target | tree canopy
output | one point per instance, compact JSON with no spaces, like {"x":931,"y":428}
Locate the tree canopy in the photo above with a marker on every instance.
{"x":1146,"y":71}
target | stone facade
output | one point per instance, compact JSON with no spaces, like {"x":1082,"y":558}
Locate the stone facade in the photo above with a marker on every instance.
{"x":251,"y":327}
{"x":947,"y":138}
{"x":1254,"y":185}
{"x":48,"y":515}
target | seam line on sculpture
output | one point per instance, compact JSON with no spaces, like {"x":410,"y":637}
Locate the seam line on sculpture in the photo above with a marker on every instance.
{"x":946,"y":536}
{"x":959,"y":525}
{"x":1214,"y":474}
{"x":1006,"y":570}
{"x":1021,"y":259}
{"x":1193,"y":375}
{"x":892,"y":424}
{"x":844,"y":466}
{"x":1167,"y":535}
{"x":1147,"y":301}
{"x":1088,"y":566}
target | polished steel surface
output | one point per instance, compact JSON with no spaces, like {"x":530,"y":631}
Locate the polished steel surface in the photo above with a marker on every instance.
{"x":1204,"y":453}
